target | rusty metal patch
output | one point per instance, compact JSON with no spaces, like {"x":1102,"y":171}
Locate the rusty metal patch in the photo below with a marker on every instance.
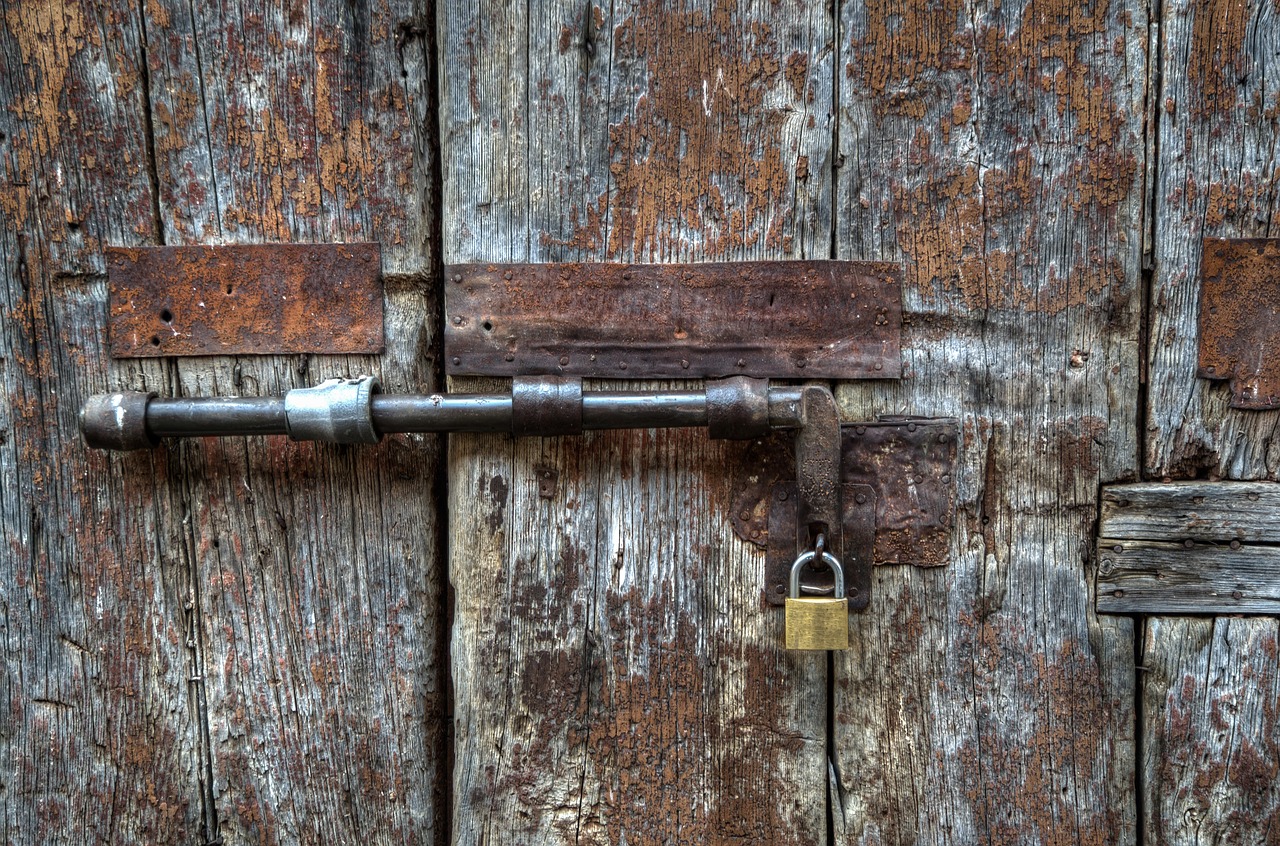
{"x":910,"y":465}
{"x":1240,"y":318}
{"x":245,"y":299}
{"x":810,"y":319}
{"x":853,"y":546}
{"x":904,"y":468}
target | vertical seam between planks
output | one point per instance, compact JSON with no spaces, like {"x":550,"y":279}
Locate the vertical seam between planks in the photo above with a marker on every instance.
{"x":148,"y":126}
{"x":442,"y":791}
{"x":1149,"y":210}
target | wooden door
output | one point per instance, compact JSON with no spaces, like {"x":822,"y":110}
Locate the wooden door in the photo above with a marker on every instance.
{"x":537,"y":641}
{"x":222,"y":641}
{"x":616,"y":674}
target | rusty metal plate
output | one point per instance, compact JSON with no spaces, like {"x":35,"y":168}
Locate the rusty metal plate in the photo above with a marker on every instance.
{"x":810,"y":319}
{"x":1240,"y":319}
{"x":853,"y":545}
{"x":905,"y":468}
{"x":911,"y":465}
{"x":245,"y":300}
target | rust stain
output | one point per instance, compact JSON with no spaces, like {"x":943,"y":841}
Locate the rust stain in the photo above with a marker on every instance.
{"x":937,"y":66}
{"x":250,"y":299}
{"x":49,"y":35}
{"x":1218,"y":62}
{"x":688,"y":172}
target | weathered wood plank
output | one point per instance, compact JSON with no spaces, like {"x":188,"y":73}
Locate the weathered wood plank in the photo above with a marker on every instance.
{"x":316,"y":576}
{"x":1218,"y":124}
{"x":99,"y":736}
{"x":997,"y":150}
{"x":1210,"y":753}
{"x":1211,"y":732}
{"x":1248,"y":512}
{"x":617,"y":676}
{"x":1151,"y":577}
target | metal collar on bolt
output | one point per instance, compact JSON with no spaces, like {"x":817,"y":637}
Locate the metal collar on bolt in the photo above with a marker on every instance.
{"x":337,"y":410}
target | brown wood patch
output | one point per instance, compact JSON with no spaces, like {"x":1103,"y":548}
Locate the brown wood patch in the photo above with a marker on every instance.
{"x":245,"y":299}
{"x":810,"y":319}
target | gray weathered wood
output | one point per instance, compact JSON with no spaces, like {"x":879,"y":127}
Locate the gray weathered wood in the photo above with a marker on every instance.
{"x":315,"y":568}
{"x":997,"y":149}
{"x":1167,"y":548}
{"x":98,"y":735}
{"x":1209,"y":767}
{"x":1153,"y":577}
{"x":1211,"y":731}
{"x":223,"y":640}
{"x":617,"y":676}
{"x":1248,"y":512}
{"x":1217,"y":132}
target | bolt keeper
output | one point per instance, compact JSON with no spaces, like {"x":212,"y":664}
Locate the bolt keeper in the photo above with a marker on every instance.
{"x":339,"y":411}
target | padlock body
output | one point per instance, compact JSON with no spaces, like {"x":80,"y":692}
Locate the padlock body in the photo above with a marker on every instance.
{"x":818,"y":622}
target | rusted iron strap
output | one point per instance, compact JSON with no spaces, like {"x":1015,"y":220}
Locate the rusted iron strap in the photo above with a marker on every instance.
{"x":245,"y":299}
{"x":788,"y":319}
{"x":1240,"y":319}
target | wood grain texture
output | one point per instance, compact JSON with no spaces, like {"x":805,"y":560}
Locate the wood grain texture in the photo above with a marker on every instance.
{"x":1217,"y":124}
{"x":1248,"y":512}
{"x":1152,"y":577}
{"x":1209,"y":763}
{"x":316,"y":576}
{"x":1211,"y":732}
{"x":219,"y":641}
{"x":997,"y":150}
{"x":99,"y":735}
{"x":618,"y":677}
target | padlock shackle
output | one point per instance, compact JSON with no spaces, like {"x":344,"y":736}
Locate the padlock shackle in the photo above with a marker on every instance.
{"x":809,"y":557}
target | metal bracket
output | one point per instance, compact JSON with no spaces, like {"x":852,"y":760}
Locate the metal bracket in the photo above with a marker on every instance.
{"x":897,"y":505}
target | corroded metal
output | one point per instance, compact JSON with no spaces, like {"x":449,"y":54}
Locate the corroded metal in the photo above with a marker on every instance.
{"x":546,"y":406}
{"x":1240,"y":319}
{"x":788,"y":537}
{"x":801,"y":319}
{"x":897,"y":500}
{"x":910,"y":466}
{"x":245,"y":299}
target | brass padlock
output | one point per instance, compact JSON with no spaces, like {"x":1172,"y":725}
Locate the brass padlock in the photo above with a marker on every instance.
{"x":817,"y":622}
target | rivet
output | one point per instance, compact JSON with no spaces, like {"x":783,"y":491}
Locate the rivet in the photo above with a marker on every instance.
{"x":879,"y":366}
{"x":457,"y":277}
{"x":1117,"y":549}
{"x":744,"y":515}
{"x":755,"y":533}
{"x":801,"y":363}
{"x":1188,"y":543}
{"x":457,"y":321}
{"x":622,"y":365}
{"x":911,"y":427}
{"x":1237,"y":594}
{"x":779,"y":589}
{"x":782,"y":495}
{"x":564,"y":359}
{"x":1117,"y":593}
{"x":742,"y":362}
{"x":507,"y":276}
{"x":942,"y":439}
{"x":508,"y":357}
{"x":684,"y":363}
{"x":1235,"y":544}
{"x":946,"y":479}
{"x":860,"y":498}
{"x":457,"y":360}
{"x":861,"y":430}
